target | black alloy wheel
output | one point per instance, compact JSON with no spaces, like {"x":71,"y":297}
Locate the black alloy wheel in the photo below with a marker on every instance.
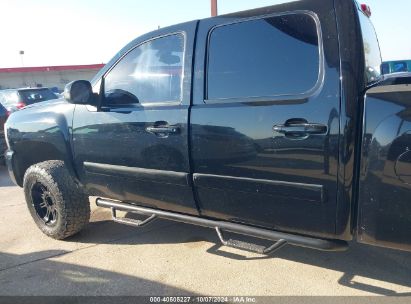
{"x":44,"y":204}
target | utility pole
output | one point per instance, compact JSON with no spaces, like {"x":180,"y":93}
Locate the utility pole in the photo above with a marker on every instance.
{"x":213,"y":8}
{"x":21,"y":57}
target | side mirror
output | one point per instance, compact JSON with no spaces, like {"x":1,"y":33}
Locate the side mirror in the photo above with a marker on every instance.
{"x":169,"y":58}
{"x":78,"y":92}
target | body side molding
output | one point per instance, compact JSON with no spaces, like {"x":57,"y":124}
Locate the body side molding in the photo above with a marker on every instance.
{"x":152,"y":175}
{"x":310,"y":192}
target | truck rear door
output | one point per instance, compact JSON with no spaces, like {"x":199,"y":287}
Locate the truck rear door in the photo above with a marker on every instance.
{"x":264,"y":124}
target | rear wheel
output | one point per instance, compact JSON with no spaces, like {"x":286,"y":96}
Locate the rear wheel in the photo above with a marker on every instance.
{"x":58,"y":205}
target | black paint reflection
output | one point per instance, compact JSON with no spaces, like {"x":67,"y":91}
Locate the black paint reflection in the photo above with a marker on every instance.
{"x":385,"y":189}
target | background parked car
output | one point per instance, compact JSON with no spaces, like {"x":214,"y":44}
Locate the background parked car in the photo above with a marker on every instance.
{"x":15,"y":99}
{"x":397,"y":66}
{"x":3,"y":117}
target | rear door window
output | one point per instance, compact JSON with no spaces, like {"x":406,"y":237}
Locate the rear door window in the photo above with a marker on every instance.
{"x":273,"y":56}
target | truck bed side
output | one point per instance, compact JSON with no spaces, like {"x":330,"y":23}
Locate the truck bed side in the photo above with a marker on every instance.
{"x":385,"y":185}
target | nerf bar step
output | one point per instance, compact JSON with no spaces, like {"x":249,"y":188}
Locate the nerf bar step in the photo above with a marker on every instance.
{"x":285,"y":238}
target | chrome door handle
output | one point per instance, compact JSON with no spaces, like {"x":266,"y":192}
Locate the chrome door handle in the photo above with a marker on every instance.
{"x":163,"y":131}
{"x":301,"y":130}
{"x":307,"y":128}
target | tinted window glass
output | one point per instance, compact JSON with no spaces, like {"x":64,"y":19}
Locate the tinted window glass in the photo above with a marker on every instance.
{"x":150,"y":73}
{"x":385,"y":68}
{"x":399,"y":66}
{"x":371,"y":50}
{"x":264,"y":57}
{"x":33,"y":96}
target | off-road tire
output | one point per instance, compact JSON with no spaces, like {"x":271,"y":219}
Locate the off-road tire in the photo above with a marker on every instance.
{"x":70,"y":201}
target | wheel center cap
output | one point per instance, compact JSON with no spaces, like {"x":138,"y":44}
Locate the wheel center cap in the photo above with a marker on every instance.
{"x":47,"y":199}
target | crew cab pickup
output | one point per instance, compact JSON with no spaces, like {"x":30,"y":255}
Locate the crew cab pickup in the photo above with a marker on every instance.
{"x":273,"y":123}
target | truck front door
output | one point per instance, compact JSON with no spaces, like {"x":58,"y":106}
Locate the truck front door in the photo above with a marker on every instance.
{"x":135,"y":148}
{"x":265,"y":118}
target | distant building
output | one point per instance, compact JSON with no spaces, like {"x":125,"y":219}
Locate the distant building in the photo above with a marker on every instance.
{"x":46,"y":76}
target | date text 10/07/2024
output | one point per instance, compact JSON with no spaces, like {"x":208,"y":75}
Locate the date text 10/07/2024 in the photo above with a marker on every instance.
{"x":203,"y":299}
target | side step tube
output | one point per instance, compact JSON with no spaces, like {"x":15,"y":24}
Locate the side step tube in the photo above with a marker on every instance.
{"x":280,"y":237}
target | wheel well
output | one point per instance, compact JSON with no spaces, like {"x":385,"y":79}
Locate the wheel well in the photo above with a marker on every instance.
{"x":30,"y":153}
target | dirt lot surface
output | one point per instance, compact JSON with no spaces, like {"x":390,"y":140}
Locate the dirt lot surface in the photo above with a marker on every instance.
{"x":168,"y":258}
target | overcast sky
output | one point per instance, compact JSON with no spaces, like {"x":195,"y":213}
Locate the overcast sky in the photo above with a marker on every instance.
{"x":55,"y":32}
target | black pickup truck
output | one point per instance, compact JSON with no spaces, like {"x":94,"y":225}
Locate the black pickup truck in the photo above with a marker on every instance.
{"x":273,"y":123}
